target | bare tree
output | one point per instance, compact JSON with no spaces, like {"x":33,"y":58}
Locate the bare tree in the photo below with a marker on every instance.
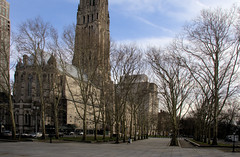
{"x":212,"y":43}
{"x":125,"y":61}
{"x":32,"y":38}
{"x":174,"y":83}
{"x":5,"y":79}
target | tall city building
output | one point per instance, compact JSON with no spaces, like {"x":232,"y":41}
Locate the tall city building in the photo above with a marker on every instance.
{"x":4,"y":42}
{"x":4,"y":61}
{"x":92,"y":41}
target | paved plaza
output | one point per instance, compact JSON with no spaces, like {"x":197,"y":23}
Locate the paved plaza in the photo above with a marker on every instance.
{"x":144,"y":148}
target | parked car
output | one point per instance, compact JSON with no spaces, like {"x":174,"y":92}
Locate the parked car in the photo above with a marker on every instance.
{"x":71,"y":133}
{"x":228,"y":138}
{"x":24,"y":134}
{"x":60,"y":134}
{"x":36,"y":135}
{"x":78,"y":132}
{"x":7,"y":133}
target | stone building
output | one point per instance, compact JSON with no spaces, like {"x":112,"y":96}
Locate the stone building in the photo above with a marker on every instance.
{"x":90,"y":60}
{"x":57,"y":84}
{"x":4,"y":63}
{"x":5,"y":42}
{"x":27,"y":93}
{"x":92,"y":40}
{"x":90,"y":67}
{"x":143,"y":94}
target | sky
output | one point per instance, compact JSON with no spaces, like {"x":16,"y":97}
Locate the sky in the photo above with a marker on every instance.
{"x":143,"y":22}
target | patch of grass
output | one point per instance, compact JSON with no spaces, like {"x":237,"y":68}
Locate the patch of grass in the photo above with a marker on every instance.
{"x":200,"y":143}
{"x":206,"y":144}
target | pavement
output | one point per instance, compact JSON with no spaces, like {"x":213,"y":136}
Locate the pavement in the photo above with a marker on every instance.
{"x":153,"y":147}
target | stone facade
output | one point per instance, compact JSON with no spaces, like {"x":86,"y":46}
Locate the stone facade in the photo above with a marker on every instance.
{"x":143,"y":94}
{"x":91,"y":67}
{"x":27,"y":93}
{"x":4,"y":63}
{"x":5,"y":43}
{"x":92,"y":41}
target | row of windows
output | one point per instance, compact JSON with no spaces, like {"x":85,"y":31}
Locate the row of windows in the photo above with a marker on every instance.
{"x":4,"y":24}
{"x":4,"y":3}
{"x":4,"y":12}
{"x":27,"y":119}
{"x":89,"y":18}
{"x":92,"y":3}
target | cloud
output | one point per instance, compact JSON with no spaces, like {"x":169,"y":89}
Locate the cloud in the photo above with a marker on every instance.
{"x":148,"y":42}
{"x":180,"y":10}
{"x":155,"y":25}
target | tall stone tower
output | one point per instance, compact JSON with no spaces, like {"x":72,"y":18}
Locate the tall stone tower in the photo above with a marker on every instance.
{"x":5,"y":44}
{"x":92,"y":40}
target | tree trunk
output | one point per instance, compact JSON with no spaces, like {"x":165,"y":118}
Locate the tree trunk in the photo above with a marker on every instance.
{"x":56,"y":123}
{"x":131,"y":123}
{"x":104,"y":128}
{"x":216,"y":98}
{"x":135,"y":127}
{"x":175,"y":130}
{"x":95,"y":132}
{"x":117,"y":131}
{"x":43,"y":121}
{"x":12,"y":117}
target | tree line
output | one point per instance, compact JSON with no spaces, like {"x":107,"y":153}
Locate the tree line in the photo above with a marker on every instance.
{"x":197,"y":75}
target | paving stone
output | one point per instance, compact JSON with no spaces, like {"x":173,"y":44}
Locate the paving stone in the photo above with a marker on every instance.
{"x":153,"y":147}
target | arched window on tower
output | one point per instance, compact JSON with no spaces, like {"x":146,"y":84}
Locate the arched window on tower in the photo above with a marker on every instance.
{"x":30,"y":78}
{"x":93,"y":2}
{"x":83,"y":19}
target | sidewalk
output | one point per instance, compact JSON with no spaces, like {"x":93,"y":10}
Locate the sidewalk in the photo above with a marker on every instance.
{"x":153,"y":147}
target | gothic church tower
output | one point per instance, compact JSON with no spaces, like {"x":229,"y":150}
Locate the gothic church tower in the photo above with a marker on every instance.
{"x":92,"y":39}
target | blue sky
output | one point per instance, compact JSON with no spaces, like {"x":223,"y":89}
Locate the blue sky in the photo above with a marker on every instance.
{"x":144,"y":22}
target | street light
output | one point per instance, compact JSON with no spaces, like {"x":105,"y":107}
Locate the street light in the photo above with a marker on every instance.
{"x":235,"y":138}
{"x":36,"y":109}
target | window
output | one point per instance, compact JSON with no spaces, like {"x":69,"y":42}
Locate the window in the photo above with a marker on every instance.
{"x":88,"y":18}
{"x":93,"y":2}
{"x":4,"y":11}
{"x":30,"y":85}
{"x":83,"y":19}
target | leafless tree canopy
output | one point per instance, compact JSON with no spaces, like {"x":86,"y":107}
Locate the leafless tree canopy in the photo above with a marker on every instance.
{"x":211,"y":44}
{"x":175,"y":84}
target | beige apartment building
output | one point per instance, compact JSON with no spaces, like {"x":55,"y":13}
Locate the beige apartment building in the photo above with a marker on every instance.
{"x":143,"y":95}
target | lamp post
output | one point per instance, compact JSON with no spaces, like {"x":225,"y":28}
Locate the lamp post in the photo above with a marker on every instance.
{"x":234,"y":139}
{"x":0,"y":127}
{"x":36,"y":109}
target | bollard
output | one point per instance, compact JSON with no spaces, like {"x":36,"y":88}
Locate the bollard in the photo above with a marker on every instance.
{"x":50,"y":136}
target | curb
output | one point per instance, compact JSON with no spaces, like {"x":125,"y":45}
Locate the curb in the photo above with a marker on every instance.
{"x":193,"y":143}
